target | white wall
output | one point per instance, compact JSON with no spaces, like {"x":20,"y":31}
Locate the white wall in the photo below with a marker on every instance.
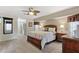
{"x":50,"y":18}
{"x":30,"y":28}
{"x":58,"y":22}
{"x":62,"y":21}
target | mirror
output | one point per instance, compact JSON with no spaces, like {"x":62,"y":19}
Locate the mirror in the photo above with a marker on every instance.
{"x":7,"y":25}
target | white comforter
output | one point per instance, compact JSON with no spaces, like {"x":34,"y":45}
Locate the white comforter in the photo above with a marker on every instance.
{"x":43,"y":36}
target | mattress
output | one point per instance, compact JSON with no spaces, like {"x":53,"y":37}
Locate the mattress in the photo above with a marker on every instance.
{"x":39,"y":34}
{"x":43,"y":36}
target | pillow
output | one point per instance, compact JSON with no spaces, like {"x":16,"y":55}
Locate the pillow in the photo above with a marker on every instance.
{"x":52,"y":30}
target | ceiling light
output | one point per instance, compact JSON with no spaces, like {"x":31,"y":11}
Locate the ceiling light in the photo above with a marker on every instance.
{"x":31,"y":13}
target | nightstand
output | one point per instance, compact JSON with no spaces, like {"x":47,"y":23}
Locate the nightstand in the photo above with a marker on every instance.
{"x":59,"y":36}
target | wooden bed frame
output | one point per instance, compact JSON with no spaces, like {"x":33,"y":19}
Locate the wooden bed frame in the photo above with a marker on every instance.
{"x":37,"y":42}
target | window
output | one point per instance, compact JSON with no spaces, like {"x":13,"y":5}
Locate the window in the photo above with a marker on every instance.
{"x":73,"y":27}
{"x":7,"y":25}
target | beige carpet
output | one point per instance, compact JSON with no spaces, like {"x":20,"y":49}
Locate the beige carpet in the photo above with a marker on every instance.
{"x":54,"y":47}
{"x":20,"y":45}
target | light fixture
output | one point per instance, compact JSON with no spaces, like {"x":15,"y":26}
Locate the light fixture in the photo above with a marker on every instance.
{"x":61,"y":26}
{"x":31,"y":13}
{"x":41,"y":25}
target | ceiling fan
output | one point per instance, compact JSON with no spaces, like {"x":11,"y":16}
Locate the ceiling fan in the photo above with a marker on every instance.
{"x":31,"y":11}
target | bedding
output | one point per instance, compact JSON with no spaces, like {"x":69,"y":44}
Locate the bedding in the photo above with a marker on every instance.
{"x":44,"y":36}
{"x":51,"y":30}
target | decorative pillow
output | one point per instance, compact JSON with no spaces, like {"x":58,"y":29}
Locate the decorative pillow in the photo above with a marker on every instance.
{"x":52,"y":30}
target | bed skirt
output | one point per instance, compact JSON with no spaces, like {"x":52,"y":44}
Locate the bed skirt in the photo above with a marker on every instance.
{"x":37,"y":42}
{"x":34,"y":41}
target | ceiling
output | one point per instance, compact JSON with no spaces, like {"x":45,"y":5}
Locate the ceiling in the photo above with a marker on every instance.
{"x":16,"y":11}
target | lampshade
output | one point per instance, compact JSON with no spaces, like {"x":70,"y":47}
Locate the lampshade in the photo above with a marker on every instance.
{"x":61,"y":26}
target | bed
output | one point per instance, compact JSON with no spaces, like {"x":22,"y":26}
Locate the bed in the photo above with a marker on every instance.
{"x":41,"y":38}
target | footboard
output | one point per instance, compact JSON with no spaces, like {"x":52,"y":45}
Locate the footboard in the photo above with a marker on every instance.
{"x":34,"y":41}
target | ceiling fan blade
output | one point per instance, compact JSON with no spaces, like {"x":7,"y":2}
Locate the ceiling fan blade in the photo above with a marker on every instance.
{"x":25,"y":11}
{"x":28,"y":13}
{"x":31,"y":10}
{"x":36,"y":11}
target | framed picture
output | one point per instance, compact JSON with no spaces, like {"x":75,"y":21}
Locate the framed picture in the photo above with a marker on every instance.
{"x":30,"y":24}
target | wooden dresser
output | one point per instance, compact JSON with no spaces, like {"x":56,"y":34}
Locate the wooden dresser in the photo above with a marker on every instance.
{"x":73,"y":18}
{"x":70,"y":44}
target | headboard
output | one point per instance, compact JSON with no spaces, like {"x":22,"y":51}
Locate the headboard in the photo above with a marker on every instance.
{"x":50,"y":26}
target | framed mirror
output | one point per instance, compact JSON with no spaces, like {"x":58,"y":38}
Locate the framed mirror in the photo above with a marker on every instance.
{"x":7,"y":25}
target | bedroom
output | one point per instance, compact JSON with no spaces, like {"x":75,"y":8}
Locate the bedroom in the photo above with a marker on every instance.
{"x":64,"y":23}
{"x":43,"y":32}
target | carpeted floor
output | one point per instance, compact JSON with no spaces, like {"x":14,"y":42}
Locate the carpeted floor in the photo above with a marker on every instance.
{"x":20,"y":45}
{"x":54,"y":47}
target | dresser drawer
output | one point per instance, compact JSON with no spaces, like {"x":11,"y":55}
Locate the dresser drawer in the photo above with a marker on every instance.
{"x":70,"y":46}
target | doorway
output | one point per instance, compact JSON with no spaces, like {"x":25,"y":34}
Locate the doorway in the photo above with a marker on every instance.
{"x":22,"y":26}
